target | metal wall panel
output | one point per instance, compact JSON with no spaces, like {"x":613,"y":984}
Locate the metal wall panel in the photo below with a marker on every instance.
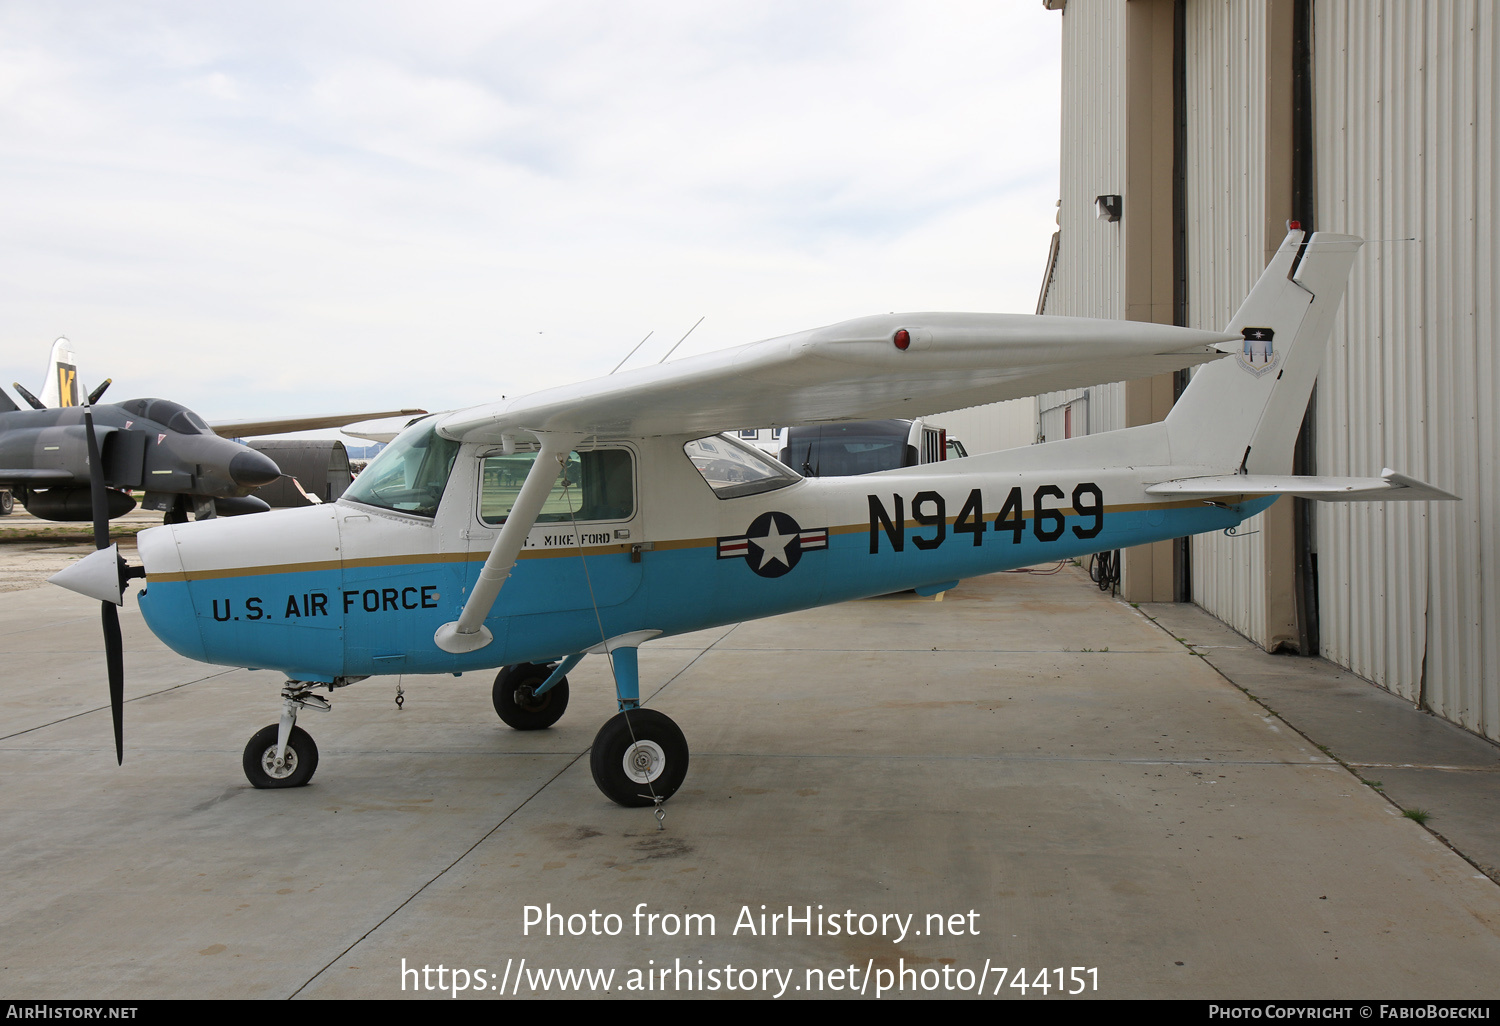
{"x":1226,"y":188}
{"x":1004,"y":425}
{"x":1089,"y":280}
{"x":1406,"y":157}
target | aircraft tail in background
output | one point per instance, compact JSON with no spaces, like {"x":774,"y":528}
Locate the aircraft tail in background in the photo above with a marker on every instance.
{"x":61,"y":386}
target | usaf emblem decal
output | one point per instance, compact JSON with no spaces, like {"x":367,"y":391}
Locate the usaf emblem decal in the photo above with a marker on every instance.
{"x":1259,"y":354}
{"x":773,"y":544}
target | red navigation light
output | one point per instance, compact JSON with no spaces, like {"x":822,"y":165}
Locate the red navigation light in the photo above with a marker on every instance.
{"x":1294,"y":225}
{"x":902,"y":339}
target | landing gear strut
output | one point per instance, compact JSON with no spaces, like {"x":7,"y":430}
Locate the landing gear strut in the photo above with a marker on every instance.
{"x":283,"y":754}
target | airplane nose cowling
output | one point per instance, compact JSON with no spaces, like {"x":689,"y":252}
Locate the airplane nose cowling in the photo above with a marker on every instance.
{"x":251,"y":469}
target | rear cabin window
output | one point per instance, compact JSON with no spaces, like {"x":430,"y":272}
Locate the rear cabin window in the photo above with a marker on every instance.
{"x":595,"y":485}
{"x":733,"y":469}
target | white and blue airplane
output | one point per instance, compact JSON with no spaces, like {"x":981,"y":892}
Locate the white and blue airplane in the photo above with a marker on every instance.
{"x":590,"y":519}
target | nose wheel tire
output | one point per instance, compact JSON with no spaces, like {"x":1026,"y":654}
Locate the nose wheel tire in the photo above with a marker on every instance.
{"x":639,"y":755}
{"x":518,"y":704}
{"x":260,"y":759}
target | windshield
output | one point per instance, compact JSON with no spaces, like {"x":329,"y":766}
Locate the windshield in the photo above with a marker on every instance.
{"x":410,"y":474}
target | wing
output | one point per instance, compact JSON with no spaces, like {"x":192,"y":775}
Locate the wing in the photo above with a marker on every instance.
{"x":246,"y":428}
{"x":853,"y":370}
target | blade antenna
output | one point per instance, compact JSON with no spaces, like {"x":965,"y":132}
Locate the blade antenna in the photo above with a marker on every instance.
{"x":632,"y":352}
{"x":682,"y":339}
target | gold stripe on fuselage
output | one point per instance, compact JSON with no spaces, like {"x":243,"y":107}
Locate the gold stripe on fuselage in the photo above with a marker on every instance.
{"x":562,"y":552}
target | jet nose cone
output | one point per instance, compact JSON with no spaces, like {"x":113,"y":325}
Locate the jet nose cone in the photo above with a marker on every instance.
{"x":251,"y":469}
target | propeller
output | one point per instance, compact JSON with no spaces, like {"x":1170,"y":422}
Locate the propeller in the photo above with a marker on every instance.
{"x":103,"y":575}
{"x":36,"y":404}
{"x":114,"y":647}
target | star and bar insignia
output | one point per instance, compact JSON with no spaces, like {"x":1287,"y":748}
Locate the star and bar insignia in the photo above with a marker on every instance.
{"x":773,"y":544}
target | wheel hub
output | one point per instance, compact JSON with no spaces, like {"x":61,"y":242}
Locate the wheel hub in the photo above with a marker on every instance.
{"x":526,"y":698}
{"x":286,"y":769}
{"x":644,"y":761}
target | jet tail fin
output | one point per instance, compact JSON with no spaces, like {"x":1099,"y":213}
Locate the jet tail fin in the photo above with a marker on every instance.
{"x":1243,"y":414}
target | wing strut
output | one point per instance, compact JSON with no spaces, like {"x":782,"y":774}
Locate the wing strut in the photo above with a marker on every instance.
{"x":468,"y":633}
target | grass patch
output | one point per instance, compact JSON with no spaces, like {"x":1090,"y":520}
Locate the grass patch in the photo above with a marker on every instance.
{"x":1417,"y":815}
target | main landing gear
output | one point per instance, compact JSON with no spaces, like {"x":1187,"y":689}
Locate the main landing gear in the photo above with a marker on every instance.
{"x":639,"y":758}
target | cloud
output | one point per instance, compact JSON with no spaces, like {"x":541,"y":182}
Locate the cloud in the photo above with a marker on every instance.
{"x":275,"y":207}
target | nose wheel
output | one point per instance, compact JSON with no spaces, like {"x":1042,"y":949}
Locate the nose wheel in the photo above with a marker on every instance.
{"x":296,"y":766}
{"x":639,"y":756}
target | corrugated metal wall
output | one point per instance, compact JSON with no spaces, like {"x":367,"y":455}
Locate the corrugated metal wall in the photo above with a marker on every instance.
{"x":1090,"y":277}
{"x":1406,"y":150}
{"x":1226,"y":188}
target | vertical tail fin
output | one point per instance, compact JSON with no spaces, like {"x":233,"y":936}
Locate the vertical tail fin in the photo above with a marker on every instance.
{"x":1244,"y":412}
{"x":61,"y":386}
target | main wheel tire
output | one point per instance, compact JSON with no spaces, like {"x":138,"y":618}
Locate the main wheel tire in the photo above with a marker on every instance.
{"x":637,"y":759}
{"x":7,"y":503}
{"x":518,"y":704}
{"x":260,"y":758}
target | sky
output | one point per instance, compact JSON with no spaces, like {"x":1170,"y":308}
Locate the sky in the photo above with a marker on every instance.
{"x":274,"y":208}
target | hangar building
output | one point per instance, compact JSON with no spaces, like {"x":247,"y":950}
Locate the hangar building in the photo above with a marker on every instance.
{"x":1208,"y":125}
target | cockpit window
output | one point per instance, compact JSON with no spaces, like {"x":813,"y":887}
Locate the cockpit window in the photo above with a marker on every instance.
{"x":733,"y":469}
{"x":410,"y":474}
{"x":171,"y":415}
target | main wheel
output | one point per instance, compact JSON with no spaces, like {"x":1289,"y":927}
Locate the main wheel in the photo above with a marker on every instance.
{"x":638,"y":755}
{"x":260,"y":758}
{"x":518,"y":704}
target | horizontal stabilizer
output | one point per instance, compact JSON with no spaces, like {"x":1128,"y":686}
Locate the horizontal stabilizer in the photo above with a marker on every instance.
{"x":1388,"y":487}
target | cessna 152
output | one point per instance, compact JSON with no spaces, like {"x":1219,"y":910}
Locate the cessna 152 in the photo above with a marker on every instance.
{"x":593,"y":518}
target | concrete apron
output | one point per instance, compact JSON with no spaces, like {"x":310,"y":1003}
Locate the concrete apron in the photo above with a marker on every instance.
{"x":1033,"y":773}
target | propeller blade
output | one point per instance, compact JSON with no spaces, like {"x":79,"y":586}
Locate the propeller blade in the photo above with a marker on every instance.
{"x":96,"y":393}
{"x":114,"y":647}
{"x":114,"y":654}
{"x":96,"y":484}
{"x":36,"y":404}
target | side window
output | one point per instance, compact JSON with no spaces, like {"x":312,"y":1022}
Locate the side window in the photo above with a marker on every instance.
{"x":595,"y":485}
{"x":734,"y":469}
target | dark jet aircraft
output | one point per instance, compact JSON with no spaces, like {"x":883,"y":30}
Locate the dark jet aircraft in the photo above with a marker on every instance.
{"x":152,"y":445}
{"x":155,"y":446}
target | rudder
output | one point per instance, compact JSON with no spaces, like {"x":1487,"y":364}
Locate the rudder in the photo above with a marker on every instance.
{"x":1244,"y":412}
